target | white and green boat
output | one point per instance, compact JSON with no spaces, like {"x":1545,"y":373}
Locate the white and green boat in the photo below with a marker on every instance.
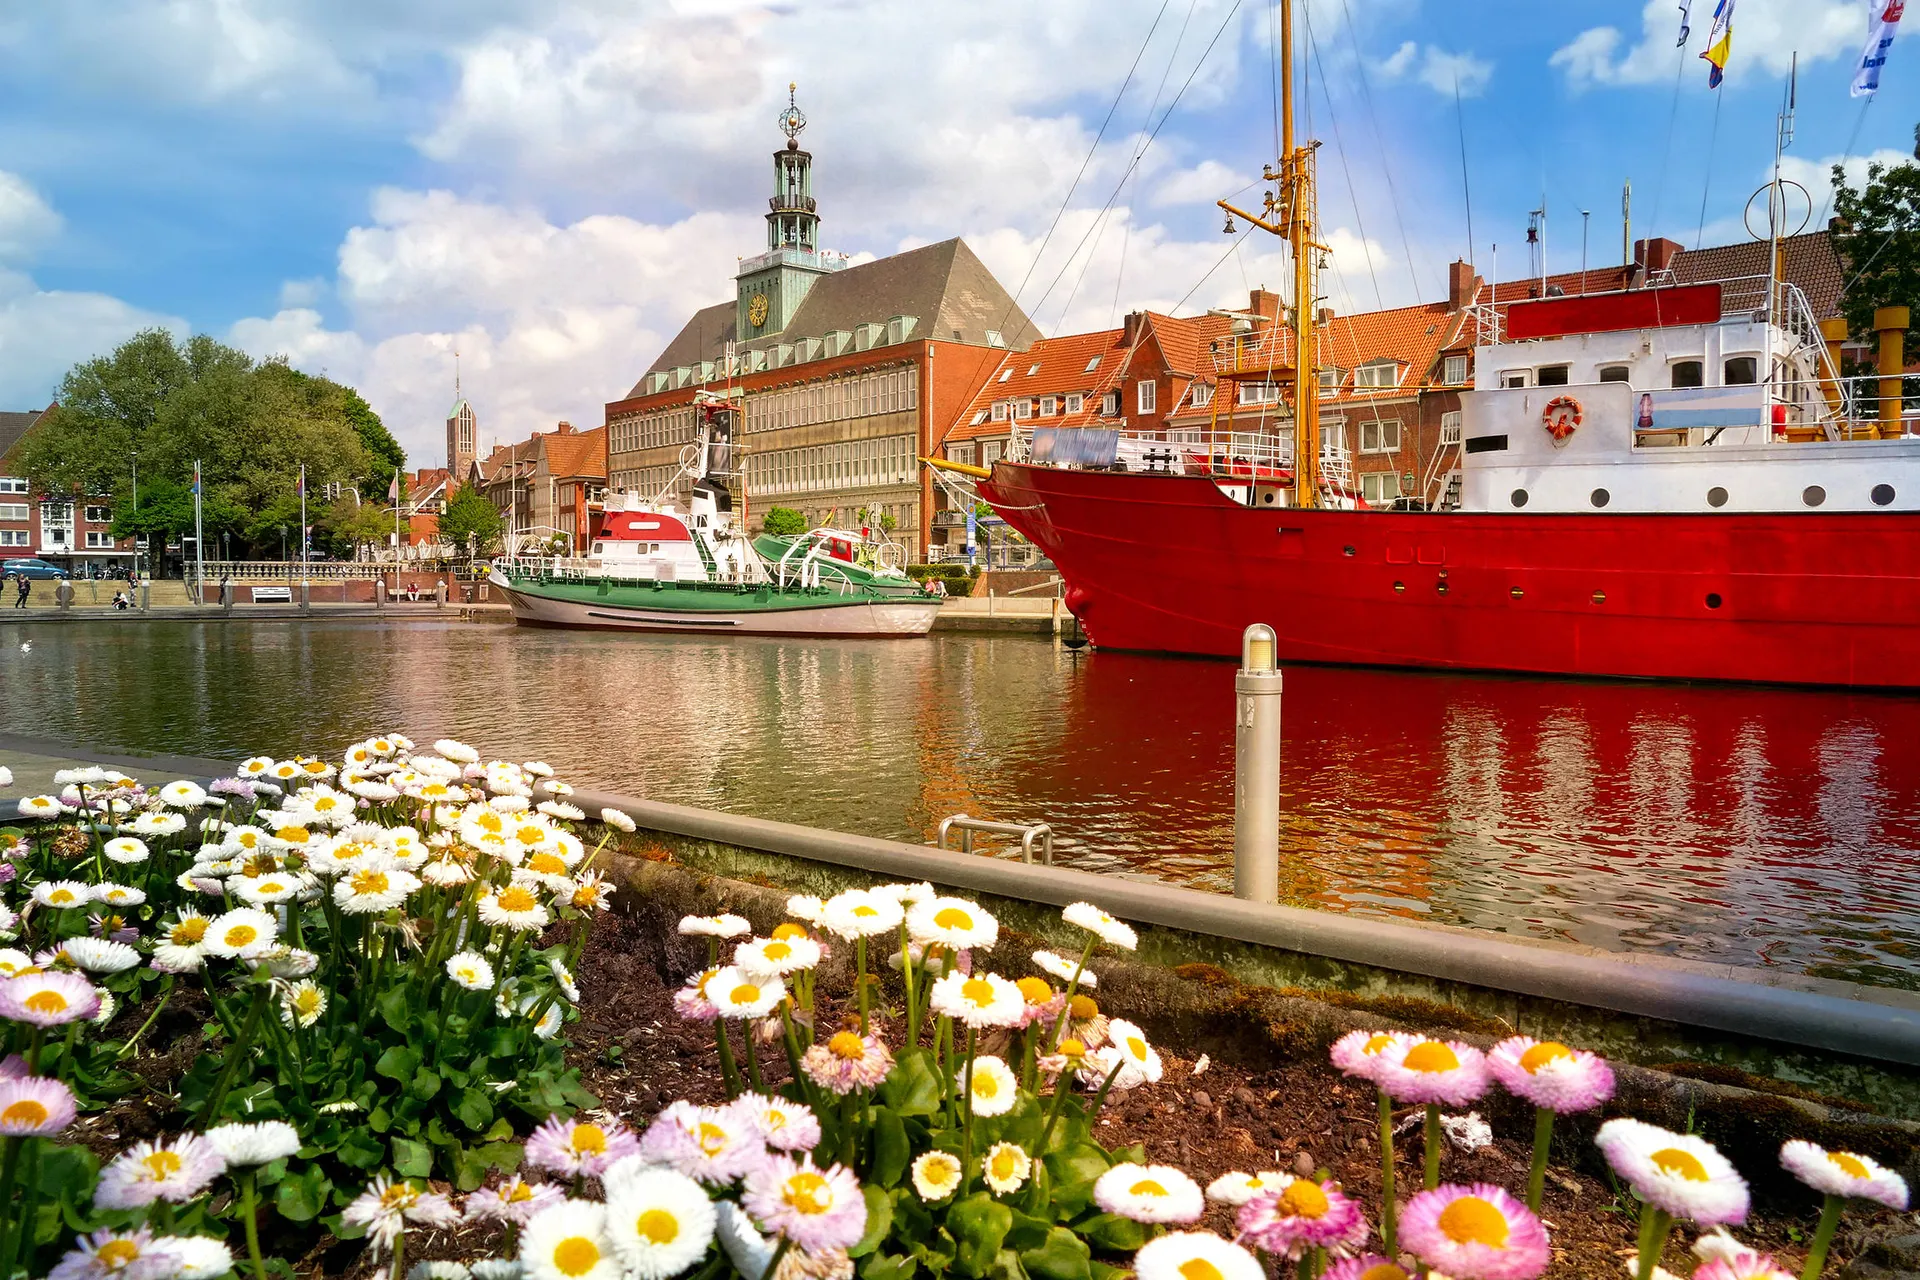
{"x":655,"y":566}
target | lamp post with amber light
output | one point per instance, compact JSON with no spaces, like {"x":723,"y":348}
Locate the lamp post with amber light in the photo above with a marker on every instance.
{"x":1256,"y":776}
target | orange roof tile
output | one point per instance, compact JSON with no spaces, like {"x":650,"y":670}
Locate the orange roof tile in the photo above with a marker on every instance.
{"x":1050,"y":367}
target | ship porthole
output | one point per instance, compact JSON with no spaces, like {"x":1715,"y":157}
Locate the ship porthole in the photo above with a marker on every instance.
{"x":1716,"y":497}
{"x":1441,"y":587}
{"x":1882,"y":494}
{"x":1713,"y":599}
{"x":1348,"y":551}
{"x":1813,"y":495}
{"x":1519,"y":498}
{"x":1399,"y":586}
{"x":1599,"y":597}
{"x":1517,"y":593}
{"x":1599,"y":497}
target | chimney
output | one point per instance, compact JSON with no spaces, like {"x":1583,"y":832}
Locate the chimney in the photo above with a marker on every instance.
{"x":1131,"y":326}
{"x":1461,"y":285}
{"x":1654,"y":255}
{"x":1325,"y":315}
{"x":566,"y":428}
{"x":1264,"y":303}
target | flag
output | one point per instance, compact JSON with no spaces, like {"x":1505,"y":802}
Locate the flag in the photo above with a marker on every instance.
{"x":393,"y":488}
{"x":196,"y":477}
{"x":300,"y":482}
{"x":1685,"y":30}
{"x":1719,"y":43}
{"x":1882,"y":22}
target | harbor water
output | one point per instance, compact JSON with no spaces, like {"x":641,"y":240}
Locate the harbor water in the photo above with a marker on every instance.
{"x":1755,"y":827}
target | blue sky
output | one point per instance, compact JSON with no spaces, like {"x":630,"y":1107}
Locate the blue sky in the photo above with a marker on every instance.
{"x":549,"y":186}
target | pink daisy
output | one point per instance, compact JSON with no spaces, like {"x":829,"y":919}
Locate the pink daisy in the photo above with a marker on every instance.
{"x":1744,"y":1265}
{"x":1359,"y":1053}
{"x":149,"y":1171}
{"x":34,"y":1107}
{"x":847,"y":1061}
{"x":1548,"y":1074}
{"x":579,"y":1148}
{"x":1474,"y":1233}
{"x":513,"y":1201}
{"x":1433,"y":1071}
{"x":1299,"y":1216}
{"x":121,"y":1255}
{"x":815,"y":1208}
{"x":782,"y":1125}
{"x":1370,"y":1267}
{"x":48,"y":999}
{"x":712,"y":1144}
{"x":691,"y":1002}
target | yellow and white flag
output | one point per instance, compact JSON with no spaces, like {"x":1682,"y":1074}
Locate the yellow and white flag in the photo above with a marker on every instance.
{"x":1719,"y":43}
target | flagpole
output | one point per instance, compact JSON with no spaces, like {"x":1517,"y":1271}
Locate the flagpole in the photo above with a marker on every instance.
{"x":199,"y":542}
{"x":303,"y":526}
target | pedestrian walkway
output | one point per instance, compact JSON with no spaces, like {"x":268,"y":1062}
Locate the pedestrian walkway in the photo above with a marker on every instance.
{"x":34,"y":761}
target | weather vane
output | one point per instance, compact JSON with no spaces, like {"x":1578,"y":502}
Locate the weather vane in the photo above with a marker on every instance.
{"x":792,"y":120}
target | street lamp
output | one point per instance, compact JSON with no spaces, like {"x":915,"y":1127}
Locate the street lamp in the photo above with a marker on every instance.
{"x":283,"y":544}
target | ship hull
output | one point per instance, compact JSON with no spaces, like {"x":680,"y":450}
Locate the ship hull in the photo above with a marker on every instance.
{"x":1170,"y":564}
{"x":687,"y":610}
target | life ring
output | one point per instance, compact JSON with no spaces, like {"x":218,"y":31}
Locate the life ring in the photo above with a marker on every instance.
{"x":1561,"y":418}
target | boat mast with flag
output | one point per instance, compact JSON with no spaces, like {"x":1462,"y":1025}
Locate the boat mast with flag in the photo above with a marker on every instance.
{"x":1670,"y":480}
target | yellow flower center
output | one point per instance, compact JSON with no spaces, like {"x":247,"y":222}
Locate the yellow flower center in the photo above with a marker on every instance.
{"x":1379,"y":1041}
{"x":162,"y":1165}
{"x":788,"y":930}
{"x":776,"y":950}
{"x":240,"y":935}
{"x":985,"y":1085}
{"x":1199,"y":1269}
{"x":1383,"y":1271}
{"x":514,"y":898}
{"x":1073,"y":1048}
{"x":589,"y":1138}
{"x":491,"y":821}
{"x":28,"y":1112}
{"x":952,"y":918}
{"x":531,"y":835}
{"x":547,"y":864}
{"x":116,"y":1254}
{"x":657,"y":1226}
{"x":1035,"y":990}
{"x":712,"y":1138}
{"x":315,"y":766}
{"x":518,"y":1193}
{"x":1137,"y":1047}
{"x":1082,"y":1008}
{"x":1851,"y":1165}
{"x":1543,"y":1053}
{"x":808,"y":1192}
{"x":1304,"y":1199}
{"x":575,"y":1256}
{"x":47,"y":1001}
{"x":1431,"y":1056}
{"x":294,"y":835}
{"x":307,"y":1001}
{"x":1676,"y":1163}
{"x":1005,"y":1164}
{"x":941,"y":1171}
{"x":249,"y":839}
{"x":1147,"y":1187}
{"x":61,"y":895}
{"x":848,"y":1046}
{"x":862,"y":911}
{"x":745,"y":993}
{"x":1471,"y":1220}
{"x":977,"y":991}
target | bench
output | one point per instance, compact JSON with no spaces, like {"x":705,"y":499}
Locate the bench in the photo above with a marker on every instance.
{"x":272,"y":595}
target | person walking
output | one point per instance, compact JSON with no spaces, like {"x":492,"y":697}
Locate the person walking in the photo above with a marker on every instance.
{"x":26,"y":589}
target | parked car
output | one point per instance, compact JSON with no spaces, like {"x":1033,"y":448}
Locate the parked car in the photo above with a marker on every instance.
{"x":39,"y":570}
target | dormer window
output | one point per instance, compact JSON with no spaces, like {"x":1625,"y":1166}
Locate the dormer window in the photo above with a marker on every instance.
{"x":1453,"y":370}
{"x":1110,"y":404}
{"x":1023,"y":409}
{"x":994,"y":339}
{"x":1381,"y":374}
{"x":1000,"y":411}
{"x":1329,"y":379}
{"x":979,"y":418}
{"x":1075,"y":402}
{"x":1049,"y":405}
{"x":1202,"y":394}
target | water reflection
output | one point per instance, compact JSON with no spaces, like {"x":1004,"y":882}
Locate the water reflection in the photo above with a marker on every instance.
{"x":1753,"y":827}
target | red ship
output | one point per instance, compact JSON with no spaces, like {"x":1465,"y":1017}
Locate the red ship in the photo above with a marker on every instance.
{"x":1668,"y":482}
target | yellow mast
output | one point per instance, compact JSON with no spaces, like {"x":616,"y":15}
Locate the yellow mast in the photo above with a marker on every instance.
{"x":1290,"y":212}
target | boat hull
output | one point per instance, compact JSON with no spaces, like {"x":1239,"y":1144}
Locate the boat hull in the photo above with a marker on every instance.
{"x":1170,"y":564}
{"x":642,"y":608}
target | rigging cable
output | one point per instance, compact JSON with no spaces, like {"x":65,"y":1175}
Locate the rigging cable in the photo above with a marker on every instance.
{"x":1386,"y":171}
{"x":1852,"y":138}
{"x":1340,"y":149}
{"x":1126,"y":230}
{"x":1706,"y":183}
{"x":1666,"y":151}
{"x":1466,"y":190}
{"x":1014,"y":301}
{"x":1165,"y":116}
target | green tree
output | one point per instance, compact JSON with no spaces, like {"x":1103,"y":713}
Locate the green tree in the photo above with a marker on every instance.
{"x":350,"y":525}
{"x":784,"y":522}
{"x":1877,"y":237}
{"x":384,"y":454}
{"x":471,"y":521}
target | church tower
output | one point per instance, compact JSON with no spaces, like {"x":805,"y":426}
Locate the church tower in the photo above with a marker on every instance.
{"x":462,"y":434}
{"x":773,"y":284}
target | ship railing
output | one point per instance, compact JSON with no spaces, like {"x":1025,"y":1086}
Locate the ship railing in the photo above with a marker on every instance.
{"x":1869,"y":407}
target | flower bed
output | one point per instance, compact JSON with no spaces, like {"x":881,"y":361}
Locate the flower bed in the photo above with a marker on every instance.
{"x":395,"y":945}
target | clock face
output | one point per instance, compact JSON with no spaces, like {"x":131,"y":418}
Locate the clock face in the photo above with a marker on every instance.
{"x":757,"y":310}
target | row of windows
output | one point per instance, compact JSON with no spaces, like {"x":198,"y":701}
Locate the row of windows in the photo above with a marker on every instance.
{"x":12,"y":484}
{"x":990,"y":452}
{"x":52,"y":512}
{"x":850,"y":464}
{"x":646,"y":481}
{"x":668,"y":426}
{"x":1736,"y":371}
{"x":861,"y":396}
{"x":15,"y":538}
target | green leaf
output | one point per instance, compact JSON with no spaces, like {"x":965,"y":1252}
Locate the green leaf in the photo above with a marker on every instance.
{"x":890,"y":1149}
{"x":397,"y":1063}
{"x":879,"y":1221}
{"x":395,"y":1009}
{"x":1072,"y":1172}
{"x":473,"y":1109}
{"x":302,"y":1197}
{"x":888,"y":1266}
{"x":913,"y":1087}
{"x":471,"y":1165}
{"x":1113,"y":1232}
{"x":412,"y":1159}
{"x":1027,"y":1232}
{"x":1064,"y":1256}
{"x":424,"y":1085}
{"x":361,"y":1150}
{"x":979,"y":1224}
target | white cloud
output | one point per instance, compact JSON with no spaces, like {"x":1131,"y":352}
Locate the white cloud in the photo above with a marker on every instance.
{"x":26,"y":221}
{"x":1437,"y":69}
{"x":1766,"y":32}
{"x":1204,"y":183}
{"x":43,"y":333}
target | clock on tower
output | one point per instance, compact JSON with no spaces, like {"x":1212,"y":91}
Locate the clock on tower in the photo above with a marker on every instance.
{"x":757,"y":310}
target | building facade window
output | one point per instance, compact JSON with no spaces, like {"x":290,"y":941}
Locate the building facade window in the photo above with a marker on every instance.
{"x":1049,"y":406}
{"x":1110,"y":404}
{"x":1000,"y":408}
{"x":15,"y":538}
{"x":97,"y":541}
{"x":12,"y":484}
{"x":990,"y":452}
{"x":1741,"y":371}
{"x":860,"y":395}
{"x":1384,"y":373}
{"x":1329,"y":379}
{"x":99,"y":515}
{"x":1259,"y":393}
{"x":13,"y":511}
{"x":851,"y":464}
{"x":1202,"y":394}
{"x":1145,"y":393}
{"x":1453,"y":370}
{"x":1075,"y":402}
{"x":1380,"y":436}
{"x":1022,"y":409}
{"x":1380,"y":486}
{"x":1450,"y":427}
{"x":960,"y":453}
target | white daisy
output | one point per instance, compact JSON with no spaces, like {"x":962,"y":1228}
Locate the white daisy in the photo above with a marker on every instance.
{"x":1114,"y":933}
{"x":368,"y":891}
{"x":244,"y":931}
{"x":457,"y":751}
{"x":1060,"y":967}
{"x":471,"y":970}
{"x":514,"y":907}
{"x":258,"y":1143}
{"x":1005,"y":1167}
{"x":617,"y":819}
{"x":979,"y":999}
{"x":1842,"y":1173}
{"x":660,"y":1223}
{"x":1149,"y":1193}
{"x":777,"y":957}
{"x":1141,"y":1062}
{"x":738,"y":994}
{"x":125,"y":850}
{"x":40,"y":807}
{"x":568,"y":1241}
{"x":118,"y":895}
{"x":183,"y":795}
{"x":97,"y":955}
{"x":302,"y":1003}
{"x":1675,"y":1172}
{"x":62,"y":893}
{"x":952,"y":922}
{"x":856,"y":913}
{"x":991,"y":1087}
{"x":721,"y":926}
{"x":936,"y":1175}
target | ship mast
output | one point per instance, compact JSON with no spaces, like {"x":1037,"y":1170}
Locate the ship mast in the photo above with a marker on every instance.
{"x":1290,"y":211}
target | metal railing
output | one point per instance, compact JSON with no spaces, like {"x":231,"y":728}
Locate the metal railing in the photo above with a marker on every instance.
{"x":1028,"y":834}
{"x":1870,"y":404}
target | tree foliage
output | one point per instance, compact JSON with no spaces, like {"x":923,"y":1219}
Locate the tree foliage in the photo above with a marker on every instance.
{"x":1877,"y":237}
{"x":784,"y":522}
{"x":160,"y":404}
{"x":471,"y":521}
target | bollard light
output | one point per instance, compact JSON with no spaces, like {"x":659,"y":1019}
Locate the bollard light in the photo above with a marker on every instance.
{"x":1256,"y":648}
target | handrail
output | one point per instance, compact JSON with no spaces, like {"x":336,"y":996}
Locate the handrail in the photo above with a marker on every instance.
{"x":1028,"y":834}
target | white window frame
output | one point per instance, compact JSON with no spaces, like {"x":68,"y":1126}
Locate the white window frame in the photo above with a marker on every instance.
{"x":1202,"y":394}
{"x":15,"y":538}
{"x":979,"y":418}
{"x":12,"y":484}
{"x":1033,"y":368}
{"x":1146,"y":394}
{"x":1075,"y":402}
{"x":1005,"y":374}
{"x":1022,"y":410}
{"x":1374,"y":484}
{"x":1258,"y":393}
{"x":1453,"y":371}
{"x":1369,"y":376}
{"x":1000,"y":410}
{"x":1511,"y":378}
{"x":98,"y":541}
{"x":990,"y":451}
{"x":1384,"y":434}
{"x":1450,"y":427}
{"x":1092,"y":365}
{"x":1110,"y":404}
{"x":1049,"y":406}
{"x":16,"y":511}
{"x":1330,"y":379}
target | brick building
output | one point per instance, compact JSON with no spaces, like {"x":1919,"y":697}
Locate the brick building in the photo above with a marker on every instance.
{"x":69,"y":530}
{"x":542,"y":486}
{"x":846,"y":374}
